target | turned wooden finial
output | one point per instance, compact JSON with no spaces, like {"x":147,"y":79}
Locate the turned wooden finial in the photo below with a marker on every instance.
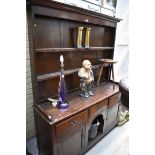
{"x":79,"y":37}
{"x":87,"y":37}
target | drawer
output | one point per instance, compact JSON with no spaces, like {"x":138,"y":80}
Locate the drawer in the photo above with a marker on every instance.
{"x":114,"y":99}
{"x":98,"y":106}
{"x":71,"y":122}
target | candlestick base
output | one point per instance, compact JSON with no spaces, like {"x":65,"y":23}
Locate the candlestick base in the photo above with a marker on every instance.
{"x":79,"y":46}
{"x":62,"y":105}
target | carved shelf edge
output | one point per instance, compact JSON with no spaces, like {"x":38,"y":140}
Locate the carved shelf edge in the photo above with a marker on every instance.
{"x":72,"y":49}
{"x":57,"y":74}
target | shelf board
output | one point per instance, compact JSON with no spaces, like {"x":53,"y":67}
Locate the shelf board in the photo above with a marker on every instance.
{"x":57,"y":74}
{"x":72,"y":49}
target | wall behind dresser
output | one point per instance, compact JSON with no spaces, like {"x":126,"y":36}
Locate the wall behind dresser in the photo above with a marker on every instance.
{"x":30,"y":129}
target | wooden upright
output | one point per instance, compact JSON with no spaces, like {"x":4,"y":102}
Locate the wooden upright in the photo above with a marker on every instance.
{"x":52,"y":30}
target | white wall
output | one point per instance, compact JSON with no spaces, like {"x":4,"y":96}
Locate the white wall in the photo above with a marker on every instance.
{"x":30,"y":129}
{"x":121,"y":52}
{"x":93,"y":5}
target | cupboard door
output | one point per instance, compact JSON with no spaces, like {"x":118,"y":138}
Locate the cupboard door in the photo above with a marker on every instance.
{"x":71,"y":144}
{"x":114,"y":99}
{"x":111,"y":119}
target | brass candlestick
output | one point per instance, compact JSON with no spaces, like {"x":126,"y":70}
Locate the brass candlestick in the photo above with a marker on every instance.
{"x":87,"y":37}
{"x":79,"y":37}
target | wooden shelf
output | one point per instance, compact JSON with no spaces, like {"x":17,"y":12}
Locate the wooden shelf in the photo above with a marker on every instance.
{"x":57,"y":74}
{"x":72,"y":49}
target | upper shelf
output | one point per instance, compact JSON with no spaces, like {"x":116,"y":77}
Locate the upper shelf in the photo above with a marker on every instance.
{"x":57,"y":74}
{"x":72,"y":49}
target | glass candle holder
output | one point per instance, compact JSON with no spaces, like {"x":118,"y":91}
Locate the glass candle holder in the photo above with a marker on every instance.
{"x":62,"y":90}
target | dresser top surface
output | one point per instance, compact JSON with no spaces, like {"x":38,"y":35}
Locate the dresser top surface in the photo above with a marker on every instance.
{"x":76,"y":103}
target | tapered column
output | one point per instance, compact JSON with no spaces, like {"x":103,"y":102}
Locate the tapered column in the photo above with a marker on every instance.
{"x":79,"y":37}
{"x":87,"y":37}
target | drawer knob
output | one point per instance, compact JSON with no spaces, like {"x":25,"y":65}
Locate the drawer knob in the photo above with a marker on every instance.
{"x":74,"y":122}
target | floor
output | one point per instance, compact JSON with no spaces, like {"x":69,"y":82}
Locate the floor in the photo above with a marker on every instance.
{"x":115,"y":142}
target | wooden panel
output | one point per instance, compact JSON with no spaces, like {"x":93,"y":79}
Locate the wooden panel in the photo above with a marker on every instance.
{"x":99,"y":35}
{"x":68,"y":31}
{"x":49,"y":88}
{"x":112,"y":116}
{"x":91,"y":57}
{"x":114,"y":99}
{"x":72,"y":143}
{"x":71,"y":122}
{"x":96,"y":35}
{"x":47,"y":32}
{"x":43,"y":132}
{"x":50,"y":62}
{"x":72,"y":82}
{"x":112,"y":36}
{"x":98,"y":107}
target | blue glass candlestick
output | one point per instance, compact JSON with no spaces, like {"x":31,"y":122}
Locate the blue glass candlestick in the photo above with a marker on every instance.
{"x":62,"y":91}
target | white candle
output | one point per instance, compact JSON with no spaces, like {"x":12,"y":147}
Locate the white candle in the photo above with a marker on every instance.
{"x":61,"y":59}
